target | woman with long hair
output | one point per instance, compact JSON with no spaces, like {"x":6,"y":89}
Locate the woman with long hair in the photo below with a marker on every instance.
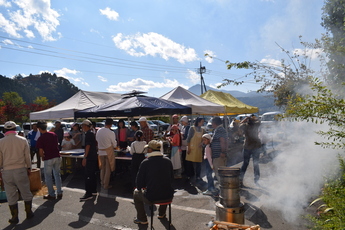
{"x":122,"y":133}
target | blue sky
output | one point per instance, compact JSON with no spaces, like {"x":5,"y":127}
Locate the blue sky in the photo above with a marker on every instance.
{"x":154,"y":46}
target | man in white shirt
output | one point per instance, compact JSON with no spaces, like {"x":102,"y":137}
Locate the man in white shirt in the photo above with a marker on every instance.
{"x":15,"y":166}
{"x":106,"y":140}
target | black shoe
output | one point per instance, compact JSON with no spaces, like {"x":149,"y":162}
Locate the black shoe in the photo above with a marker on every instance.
{"x":49,"y":197}
{"x":86,"y":197}
{"x":59,"y":196}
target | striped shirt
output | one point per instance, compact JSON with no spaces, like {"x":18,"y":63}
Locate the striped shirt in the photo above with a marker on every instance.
{"x":219,"y":132}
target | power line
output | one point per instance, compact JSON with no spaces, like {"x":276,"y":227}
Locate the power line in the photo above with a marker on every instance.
{"x":94,"y":62}
{"x":92,"y":54}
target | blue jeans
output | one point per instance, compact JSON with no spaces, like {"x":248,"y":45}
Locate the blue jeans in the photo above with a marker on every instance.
{"x":53,"y":166}
{"x":247,"y":154}
{"x":210,"y":180}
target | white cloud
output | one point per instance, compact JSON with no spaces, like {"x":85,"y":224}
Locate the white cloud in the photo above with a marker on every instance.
{"x":102,"y":78}
{"x":215,"y":86}
{"x":271,"y":61}
{"x":86,"y":84}
{"x":30,"y":47}
{"x":7,"y":42}
{"x":66,"y":73}
{"x":96,"y":32}
{"x":210,"y":53}
{"x":143,"y":85}
{"x":310,"y":53}
{"x":110,"y":14}
{"x":5,"y":3}
{"x":193,"y":77}
{"x":9,"y":27}
{"x":36,"y":14}
{"x":153,"y":44}
{"x":29,"y":34}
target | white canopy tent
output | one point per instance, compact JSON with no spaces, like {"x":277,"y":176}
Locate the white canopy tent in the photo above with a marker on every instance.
{"x":79,"y":101}
{"x":198,"y":104}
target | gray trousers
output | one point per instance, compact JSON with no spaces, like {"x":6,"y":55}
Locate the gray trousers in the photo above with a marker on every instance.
{"x":14,"y":180}
{"x":140,"y":200}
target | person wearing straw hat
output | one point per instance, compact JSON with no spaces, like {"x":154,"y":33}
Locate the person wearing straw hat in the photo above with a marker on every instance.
{"x":15,"y":163}
{"x":90,"y":161}
{"x":153,"y":183}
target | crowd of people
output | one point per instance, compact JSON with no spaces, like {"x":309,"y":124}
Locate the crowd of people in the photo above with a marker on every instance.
{"x":152,"y":173}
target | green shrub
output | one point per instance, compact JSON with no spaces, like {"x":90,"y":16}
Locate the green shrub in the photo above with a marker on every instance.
{"x":331,"y":214}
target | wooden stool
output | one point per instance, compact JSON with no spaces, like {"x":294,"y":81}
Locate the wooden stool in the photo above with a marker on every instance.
{"x":166,"y":203}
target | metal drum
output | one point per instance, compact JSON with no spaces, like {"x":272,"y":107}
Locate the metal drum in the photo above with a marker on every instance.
{"x":232,"y":215}
{"x":229,"y":197}
{"x":229,"y":177}
{"x":35,"y":180}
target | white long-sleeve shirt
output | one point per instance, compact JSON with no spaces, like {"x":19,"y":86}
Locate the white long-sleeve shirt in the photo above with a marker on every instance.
{"x":14,"y":152}
{"x":105,"y":139}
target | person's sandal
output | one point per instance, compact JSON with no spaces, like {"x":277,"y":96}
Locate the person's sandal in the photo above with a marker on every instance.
{"x":162,"y":216}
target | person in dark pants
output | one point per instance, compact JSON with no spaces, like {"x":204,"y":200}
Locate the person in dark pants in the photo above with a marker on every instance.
{"x":59,"y":132}
{"x":90,"y":162}
{"x":184,"y":132}
{"x":138,"y":154}
{"x":154,"y":182}
{"x":251,"y":148}
{"x":33,"y":136}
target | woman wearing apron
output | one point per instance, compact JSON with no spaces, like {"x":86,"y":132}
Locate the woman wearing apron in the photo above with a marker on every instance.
{"x":175,"y":142}
{"x":194,"y":155}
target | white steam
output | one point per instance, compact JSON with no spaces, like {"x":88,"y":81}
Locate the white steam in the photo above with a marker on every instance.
{"x":300,"y":170}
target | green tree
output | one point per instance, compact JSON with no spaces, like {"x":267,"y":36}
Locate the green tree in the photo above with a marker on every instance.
{"x":43,"y":101}
{"x":13,"y":106}
{"x":13,"y":98}
{"x":333,"y":20}
{"x":283,"y":80}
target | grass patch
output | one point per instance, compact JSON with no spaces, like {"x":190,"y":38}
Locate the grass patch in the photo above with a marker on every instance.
{"x":331,"y":204}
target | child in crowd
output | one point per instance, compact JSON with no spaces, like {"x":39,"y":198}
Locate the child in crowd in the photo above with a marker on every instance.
{"x":67,"y":144}
{"x":211,"y":190}
{"x":138,"y":151}
{"x":175,"y":142}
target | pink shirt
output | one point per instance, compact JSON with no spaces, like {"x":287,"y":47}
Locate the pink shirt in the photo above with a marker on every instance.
{"x":208,"y":155}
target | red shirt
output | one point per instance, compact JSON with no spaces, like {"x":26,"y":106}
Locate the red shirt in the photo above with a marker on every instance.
{"x":123,"y":135}
{"x":49,"y":143}
{"x":176,"y":140}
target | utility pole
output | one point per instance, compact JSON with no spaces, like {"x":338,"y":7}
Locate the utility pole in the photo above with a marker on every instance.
{"x":202,"y":70}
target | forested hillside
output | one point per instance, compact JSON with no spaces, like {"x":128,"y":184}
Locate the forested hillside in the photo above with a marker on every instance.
{"x":45,"y":85}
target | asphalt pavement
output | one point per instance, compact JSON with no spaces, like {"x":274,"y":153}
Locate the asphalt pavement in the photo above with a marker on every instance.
{"x":114,"y":208}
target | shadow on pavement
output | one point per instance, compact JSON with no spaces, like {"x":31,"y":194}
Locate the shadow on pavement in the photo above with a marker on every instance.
{"x":103,"y":205}
{"x":41,"y":213}
{"x":248,"y":195}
